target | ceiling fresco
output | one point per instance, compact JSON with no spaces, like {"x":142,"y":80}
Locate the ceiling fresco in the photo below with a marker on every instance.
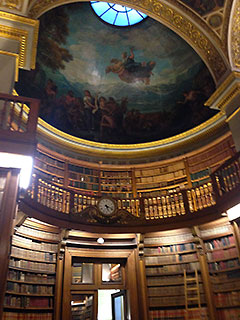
{"x":120,"y":85}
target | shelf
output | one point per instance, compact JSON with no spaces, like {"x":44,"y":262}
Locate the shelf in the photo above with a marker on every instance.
{"x":167,"y":244}
{"x":32,"y":282}
{"x":228,"y":306}
{"x":50,"y":172}
{"x":31,"y":271}
{"x":169,"y":263}
{"x":226,"y":290}
{"x":25,"y":247}
{"x":169,"y":273}
{"x":222,"y":259}
{"x":216,"y":236}
{"x":225,"y":270}
{"x":28,"y":259}
{"x":221,"y":248}
{"x":168,"y":254}
{"x":29,"y":308}
{"x":29,"y":294}
{"x":18,"y":233}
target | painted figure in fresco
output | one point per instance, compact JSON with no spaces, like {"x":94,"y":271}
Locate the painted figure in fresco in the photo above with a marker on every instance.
{"x":89,"y":106}
{"x":131,"y":71}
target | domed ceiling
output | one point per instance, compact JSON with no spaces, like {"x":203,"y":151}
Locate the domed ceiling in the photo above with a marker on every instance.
{"x":121,"y":85}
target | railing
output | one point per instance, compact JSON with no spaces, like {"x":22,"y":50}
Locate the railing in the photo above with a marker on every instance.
{"x":227,"y":177}
{"x":18,"y":114}
{"x":152,"y":208}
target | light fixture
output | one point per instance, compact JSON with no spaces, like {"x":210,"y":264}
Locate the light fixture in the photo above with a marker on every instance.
{"x":25,"y":163}
{"x":100,"y":240}
{"x":234,"y":212}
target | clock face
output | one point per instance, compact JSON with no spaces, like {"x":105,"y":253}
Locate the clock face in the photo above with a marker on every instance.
{"x":106,"y":206}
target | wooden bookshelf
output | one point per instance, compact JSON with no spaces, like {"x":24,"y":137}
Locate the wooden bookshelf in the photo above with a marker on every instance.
{"x":166,"y":255}
{"x":224,"y":267}
{"x":32,"y":271}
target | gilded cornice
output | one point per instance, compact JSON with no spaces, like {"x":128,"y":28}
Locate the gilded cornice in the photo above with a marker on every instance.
{"x":203,"y":131}
{"x":18,"y":35}
{"x":235,"y":36}
{"x":226,"y":92}
{"x":172,"y":18}
{"x":14,"y":29}
{"x":12,"y":4}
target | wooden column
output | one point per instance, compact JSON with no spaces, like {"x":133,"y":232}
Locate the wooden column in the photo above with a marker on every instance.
{"x":59,"y":287}
{"x":236,"y":233}
{"x":132,"y":285}
{"x":8,"y":197}
{"x":188,"y":173}
{"x":205,"y":275}
{"x":142,"y":283}
{"x":66,"y":307}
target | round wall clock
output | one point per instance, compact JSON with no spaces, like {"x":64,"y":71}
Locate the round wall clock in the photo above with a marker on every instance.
{"x":107,"y":206}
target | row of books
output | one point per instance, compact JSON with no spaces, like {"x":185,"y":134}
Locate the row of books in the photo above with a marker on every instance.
{"x":116,"y":188}
{"x":176,"y":314}
{"x":27,"y":316}
{"x":45,"y":158}
{"x":34,"y":245}
{"x":31,"y":277}
{"x":33,"y":255}
{"x":216,"y":231}
{"x":222,"y":254}
{"x":38,"y":266}
{"x":49,"y":168}
{"x":176,"y":248}
{"x":224,"y":265}
{"x":84,"y":170}
{"x":171,"y":301}
{"x":113,"y":174}
{"x":39,"y":234}
{"x":228,"y":298}
{"x":171,"y":258}
{"x":224,"y":277}
{"x":170,"y":290}
{"x":27,"y":302}
{"x":173,"y":268}
{"x":169,"y":239}
{"x":29,"y":288}
{"x":220,"y":243}
{"x":227,"y":314}
{"x":48,"y":176}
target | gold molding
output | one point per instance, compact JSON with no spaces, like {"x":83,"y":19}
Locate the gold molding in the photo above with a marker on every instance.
{"x":12,"y":4}
{"x":169,"y":16}
{"x":233,"y":114}
{"x":228,"y":89}
{"x":21,"y":35}
{"x":235,"y":36}
{"x":16,"y":56}
{"x":18,"y":35}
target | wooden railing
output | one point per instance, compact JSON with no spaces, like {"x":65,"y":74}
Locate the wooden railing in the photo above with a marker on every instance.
{"x":18,"y":114}
{"x":171,"y":205}
{"x":227,"y":177}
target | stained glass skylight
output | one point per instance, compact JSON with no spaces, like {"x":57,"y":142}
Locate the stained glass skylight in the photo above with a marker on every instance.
{"x":117,"y":14}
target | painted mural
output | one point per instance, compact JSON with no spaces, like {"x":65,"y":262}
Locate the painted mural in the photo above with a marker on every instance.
{"x":204,"y":7}
{"x":115,"y":85}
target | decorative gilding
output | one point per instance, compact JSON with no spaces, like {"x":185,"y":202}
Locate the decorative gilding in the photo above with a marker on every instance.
{"x":12,"y":4}
{"x":21,"y":35}
{"x":169,"y":16}
{"x":235,"y":36}
{"x":18,"y":35}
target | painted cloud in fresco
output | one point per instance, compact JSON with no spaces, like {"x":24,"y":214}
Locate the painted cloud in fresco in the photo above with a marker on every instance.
{"x":136,"y":104}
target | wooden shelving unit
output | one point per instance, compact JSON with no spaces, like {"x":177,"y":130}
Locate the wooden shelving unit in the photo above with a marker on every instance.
{"x":32,"y":272}
{"x":166,"y":256}
{"x":224,"y":268}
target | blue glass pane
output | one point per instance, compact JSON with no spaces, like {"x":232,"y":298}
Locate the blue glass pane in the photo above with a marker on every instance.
{"x":100,"y":7}
{"x":134,"y":17}
{"x":109,"y":16}
{"x":117,"y":14}
{"x":121,"y":20}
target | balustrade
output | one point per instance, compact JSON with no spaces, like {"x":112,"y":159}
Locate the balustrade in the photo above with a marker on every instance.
{"x":18,"y":114}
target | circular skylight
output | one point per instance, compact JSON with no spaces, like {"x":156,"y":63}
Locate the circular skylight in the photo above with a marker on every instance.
{"x":117,"y":14}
